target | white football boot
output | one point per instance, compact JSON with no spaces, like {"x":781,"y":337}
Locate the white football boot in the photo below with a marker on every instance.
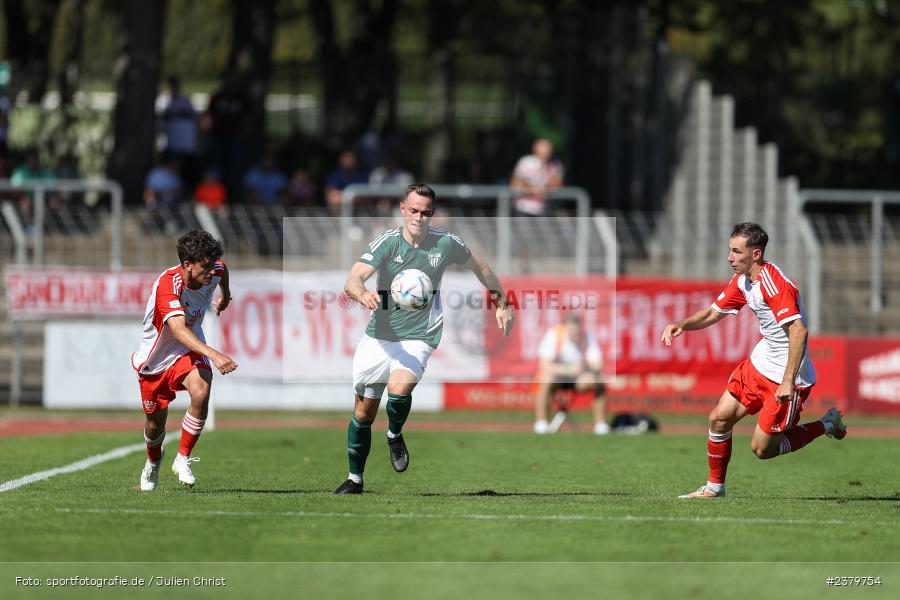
{"x":150,"y":474}
{"x":705,"y":492}
{"x":181,"y":466}
{"x":834,"y":424}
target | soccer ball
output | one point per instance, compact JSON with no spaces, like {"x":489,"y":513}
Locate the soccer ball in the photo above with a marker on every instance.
{"x":411,"y":289}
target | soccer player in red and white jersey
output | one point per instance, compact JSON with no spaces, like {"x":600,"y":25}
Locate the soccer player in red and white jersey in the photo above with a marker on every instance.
{"x":776,"y":379}
{"x":173,"y":354}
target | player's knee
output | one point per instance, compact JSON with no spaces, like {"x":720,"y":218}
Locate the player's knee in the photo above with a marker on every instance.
{"x":199,"y":392}
{"x":718,"y":424}
{"x":400,"y":389}
{"x":365,"y":412}
{"x":153,"y":429}
{"x":763,"y":452}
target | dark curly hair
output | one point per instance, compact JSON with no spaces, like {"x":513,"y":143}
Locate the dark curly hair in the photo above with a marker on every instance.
{"x":199,"y":246}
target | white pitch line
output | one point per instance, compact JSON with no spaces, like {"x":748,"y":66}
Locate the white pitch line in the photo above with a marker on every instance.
{"x":474,"y":517}
{"x":81,"y":465}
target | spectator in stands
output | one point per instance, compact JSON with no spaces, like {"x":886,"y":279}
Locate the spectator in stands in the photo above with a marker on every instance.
{"x":570,"y":359}
{"x":32,"y":171}
{"x":223,"y":122}
{"x":390,"y":173}
{"x":163,"y":187}
{"x":300,"y":190}
{"x":346,"y":173}
{"x":211,"y":192}
{"x":4,"y":134}
{"x":264,"y":183}
{"x":370,"y":151}
{"x":179,"y":130}
{"x":534,"y":176}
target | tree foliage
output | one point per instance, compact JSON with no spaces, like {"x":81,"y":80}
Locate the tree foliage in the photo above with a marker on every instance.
{"x":601,"y":79}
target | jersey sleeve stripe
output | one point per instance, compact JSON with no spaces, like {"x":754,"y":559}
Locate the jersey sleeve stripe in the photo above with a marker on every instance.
{"x":376,"y":240}
{"x":767,"y":282}
{"x":722,"y":310}
{"x":778,"y":275}
{"x":789,"y":318}
{"x":380,"y":240}
{"x":174,"y":313}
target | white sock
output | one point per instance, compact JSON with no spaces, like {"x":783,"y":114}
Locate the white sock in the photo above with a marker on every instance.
{"x":355,"y":478}
{"x":715,"y":487}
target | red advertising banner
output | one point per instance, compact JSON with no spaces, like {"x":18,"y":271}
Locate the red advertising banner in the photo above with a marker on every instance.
{"x":646,"y":376}
{"x":71,"y":292}
{"x":873,"y":375}
{"x":627,"y":317}
{"x":689,"y":393}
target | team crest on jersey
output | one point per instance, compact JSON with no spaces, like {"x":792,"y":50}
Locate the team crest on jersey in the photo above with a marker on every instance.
{"x":149,"y":404}
{"x":434,"y":258}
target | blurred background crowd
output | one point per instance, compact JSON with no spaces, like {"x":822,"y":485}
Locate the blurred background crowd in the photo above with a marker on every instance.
{"x":289,"y":101}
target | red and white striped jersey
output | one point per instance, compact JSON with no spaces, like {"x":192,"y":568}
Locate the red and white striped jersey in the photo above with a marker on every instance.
{"x":170,"y":297}
{"x":775,"y":301}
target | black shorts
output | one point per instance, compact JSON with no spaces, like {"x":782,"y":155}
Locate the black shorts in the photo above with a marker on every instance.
{"x":568,"y":383}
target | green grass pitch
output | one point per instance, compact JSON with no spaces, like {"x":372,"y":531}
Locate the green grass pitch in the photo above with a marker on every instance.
{"x":478,"y":514}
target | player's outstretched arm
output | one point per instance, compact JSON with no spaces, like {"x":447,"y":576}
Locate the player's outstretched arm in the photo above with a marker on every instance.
{"x":184,"y":335}
{"x":224,"y":300}
{"x":489,"y":280}
{"x":355,"y":286}
{"x":699,"y":320}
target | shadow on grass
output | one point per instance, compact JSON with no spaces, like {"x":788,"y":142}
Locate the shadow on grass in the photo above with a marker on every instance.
{"x":257,"y":491}
{"x":842,"y":499}
{"x":492,"y":493}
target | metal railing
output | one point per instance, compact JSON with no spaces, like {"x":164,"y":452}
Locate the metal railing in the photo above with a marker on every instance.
{"x":875,"y":201}
{"x":503,"y":196}
{"x":38,"y":192}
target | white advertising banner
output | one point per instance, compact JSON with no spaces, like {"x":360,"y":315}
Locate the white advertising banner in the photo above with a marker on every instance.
{"x":87,"y":365}
{"x":293,"y":337}
{"x":322,"y":326}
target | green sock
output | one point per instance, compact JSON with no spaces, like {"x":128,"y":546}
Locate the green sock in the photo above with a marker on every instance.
{"x":359,"y":442}
{"x":397,"y":411}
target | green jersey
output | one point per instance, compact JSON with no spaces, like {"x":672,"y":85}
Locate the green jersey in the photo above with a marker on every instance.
{"x":390,"y":253}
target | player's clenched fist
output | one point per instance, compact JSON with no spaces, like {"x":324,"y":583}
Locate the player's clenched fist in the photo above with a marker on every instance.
{"x":224,"y":363}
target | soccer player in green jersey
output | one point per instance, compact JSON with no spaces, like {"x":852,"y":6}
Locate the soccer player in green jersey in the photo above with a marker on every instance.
{"x":397,"y":343}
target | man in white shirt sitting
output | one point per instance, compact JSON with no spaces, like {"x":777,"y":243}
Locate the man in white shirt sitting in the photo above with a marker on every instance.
{"x":570,"y":359}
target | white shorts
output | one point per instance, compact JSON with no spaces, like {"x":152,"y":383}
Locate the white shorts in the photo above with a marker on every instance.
{"x":375,"y":360}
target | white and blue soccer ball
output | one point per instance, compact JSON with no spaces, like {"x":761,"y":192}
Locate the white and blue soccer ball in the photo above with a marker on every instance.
{"x":411,"y":289}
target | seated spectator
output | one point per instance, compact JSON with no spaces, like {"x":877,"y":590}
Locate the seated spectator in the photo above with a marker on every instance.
{"x":162,"y":188}
{"x":390,"y":173}
{"x":211,"y":192}
{"x":346,"y":173}
{"x":570,"y":359}
{"x":300,"y":190}
{"x":31,"y":171}
{"x":264,"y":183}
